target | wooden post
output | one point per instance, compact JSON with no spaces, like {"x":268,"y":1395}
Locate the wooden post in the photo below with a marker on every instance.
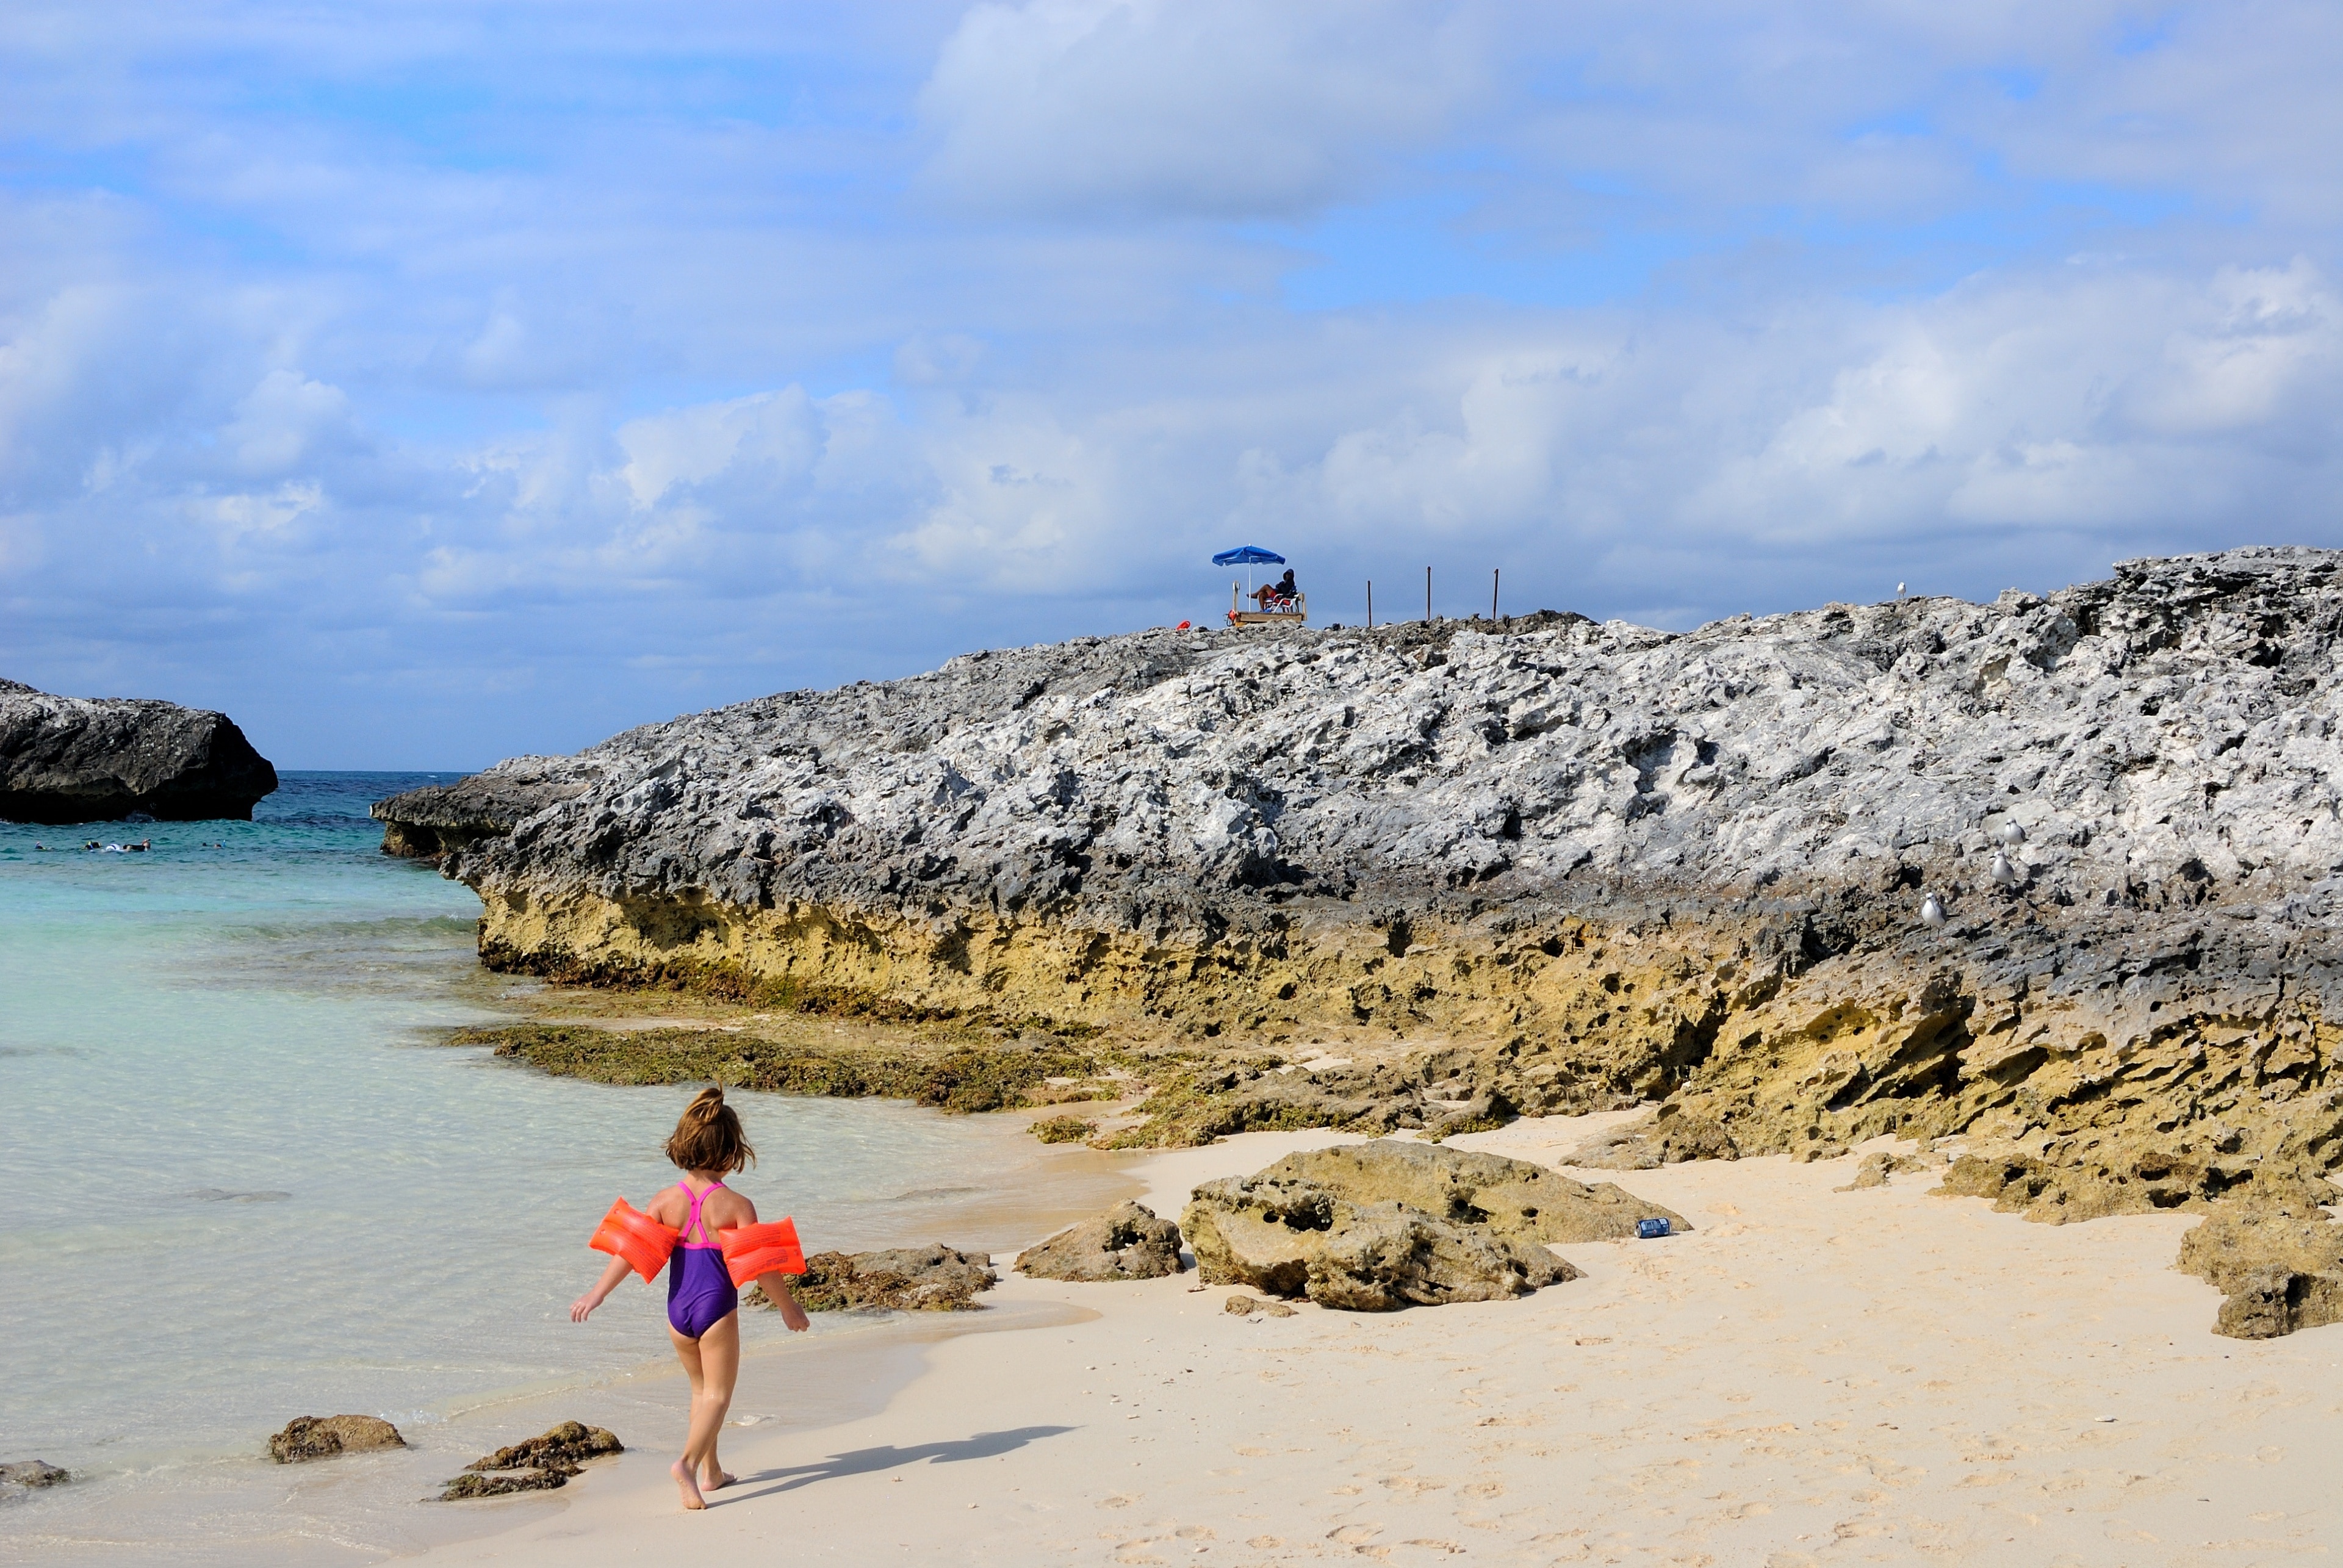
{"x":1371,"y":604}
{"x":1493,"y":577}
{"x":1427,"y":595}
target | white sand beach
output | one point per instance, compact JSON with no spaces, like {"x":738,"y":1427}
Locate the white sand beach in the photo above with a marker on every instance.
{"x":1812,"y":1376}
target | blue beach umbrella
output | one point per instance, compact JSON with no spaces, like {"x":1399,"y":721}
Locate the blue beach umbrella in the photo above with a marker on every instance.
{"x":1248,"y":557}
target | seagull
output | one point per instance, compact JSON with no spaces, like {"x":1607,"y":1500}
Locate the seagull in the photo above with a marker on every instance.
{"x":2003,"y":871}
{"x":1900,"y":590}
{"x":2012,"y":834}
{"x":1932,"y":913}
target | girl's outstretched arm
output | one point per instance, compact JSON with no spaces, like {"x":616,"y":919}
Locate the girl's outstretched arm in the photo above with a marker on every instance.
{"x":776,"y":1291}
{"x":585,"y":1304}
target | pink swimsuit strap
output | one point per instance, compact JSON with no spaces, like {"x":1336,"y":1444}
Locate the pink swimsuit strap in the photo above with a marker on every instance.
{"x":694,"y":1223}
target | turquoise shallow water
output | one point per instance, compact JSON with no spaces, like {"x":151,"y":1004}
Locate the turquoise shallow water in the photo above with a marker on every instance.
{"x":239,"y":1181}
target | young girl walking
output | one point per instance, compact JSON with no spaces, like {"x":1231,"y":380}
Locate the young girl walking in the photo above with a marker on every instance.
{"x":703,"y":1302}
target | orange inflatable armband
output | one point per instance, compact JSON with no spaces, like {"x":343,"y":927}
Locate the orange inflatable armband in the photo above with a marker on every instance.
{"x":641,"y":1240}
{"x":752,"y":1252}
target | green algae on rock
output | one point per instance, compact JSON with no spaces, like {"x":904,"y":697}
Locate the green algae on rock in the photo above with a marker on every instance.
{"x":956,"y":1075}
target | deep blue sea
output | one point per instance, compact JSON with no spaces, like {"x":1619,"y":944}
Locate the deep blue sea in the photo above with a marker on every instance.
{"x":239,"y":1181}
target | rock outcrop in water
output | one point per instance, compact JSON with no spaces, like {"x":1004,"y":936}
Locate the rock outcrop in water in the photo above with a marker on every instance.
{"x":96,"y":759}
{"x":428,"y":823}
{"x":2055,"y":877}
{"x":307,"y":1437}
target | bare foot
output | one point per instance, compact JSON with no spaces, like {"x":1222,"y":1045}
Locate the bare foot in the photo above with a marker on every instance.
{"x":686,"y":1486}
{"x":716,"y":1480}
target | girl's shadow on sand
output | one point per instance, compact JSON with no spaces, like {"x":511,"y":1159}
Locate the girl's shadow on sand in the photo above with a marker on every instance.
{"x":863,"y":1460}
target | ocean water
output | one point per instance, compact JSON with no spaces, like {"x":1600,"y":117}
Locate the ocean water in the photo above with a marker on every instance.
{"x":241,"y":1181}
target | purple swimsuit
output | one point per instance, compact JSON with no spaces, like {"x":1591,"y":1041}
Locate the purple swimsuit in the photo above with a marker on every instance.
{"x":699,"y":1289}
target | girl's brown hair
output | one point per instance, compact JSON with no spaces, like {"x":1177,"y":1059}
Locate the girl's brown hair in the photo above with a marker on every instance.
{"x":708,"y":1136}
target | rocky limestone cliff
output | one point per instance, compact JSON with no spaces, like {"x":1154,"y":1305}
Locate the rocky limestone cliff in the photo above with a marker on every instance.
{"x":1571,"y":865}
{"x":95,"y":759}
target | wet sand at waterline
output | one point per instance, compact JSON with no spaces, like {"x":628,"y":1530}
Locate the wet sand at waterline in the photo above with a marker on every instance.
{"x":1811,"y":1376}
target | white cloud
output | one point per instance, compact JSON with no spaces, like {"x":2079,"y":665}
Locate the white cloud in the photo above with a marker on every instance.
{"x":651,"y":359}
{"x":1211,"y":108}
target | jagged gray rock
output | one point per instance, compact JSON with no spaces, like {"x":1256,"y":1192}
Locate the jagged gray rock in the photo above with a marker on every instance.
{"x":1108,"y":776}
{"x":1584,"y":865}
{"x":95,"y":759}
{"x":428,"y":823}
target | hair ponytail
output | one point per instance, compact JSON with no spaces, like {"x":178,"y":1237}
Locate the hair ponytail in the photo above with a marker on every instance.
{"x":707,"y":1136}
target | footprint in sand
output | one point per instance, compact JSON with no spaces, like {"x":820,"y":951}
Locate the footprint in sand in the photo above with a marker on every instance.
{"x":1408,"y":1486}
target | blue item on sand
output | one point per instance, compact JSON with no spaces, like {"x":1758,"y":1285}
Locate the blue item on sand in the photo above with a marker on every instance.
{"x":1247,"y":556}
{"x":1646,"y":1229}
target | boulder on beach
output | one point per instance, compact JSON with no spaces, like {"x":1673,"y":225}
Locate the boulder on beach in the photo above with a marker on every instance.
{"x":96,"y":760}
{"x":1290,"y":1237}
{"x":307,"y":1437}
{"x":2277,"y":1268}
{"x":540,"y":1464}
{"x":1509,"y":1197}
{"x":33,"y":1472}
{"x":931,"y":1278}
{"x":1668,"y":1137}
{"x":1126,"y":1242}
{"x":567,"y":1442}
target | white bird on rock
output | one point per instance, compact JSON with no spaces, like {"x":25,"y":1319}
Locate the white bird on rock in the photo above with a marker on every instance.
{"x":1932,"y":913}
{"x":2012,"y":834}
{"x":2003,"y":871}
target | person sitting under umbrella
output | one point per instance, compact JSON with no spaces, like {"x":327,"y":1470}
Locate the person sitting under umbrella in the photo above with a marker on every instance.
{"x":1281,"y":591}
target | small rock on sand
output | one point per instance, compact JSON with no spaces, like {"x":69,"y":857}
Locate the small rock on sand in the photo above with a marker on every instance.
{"x":931,"y":1278}
{"x":1293,"y":1238}
{"x":1126,"y":1242}
{"x":540,"y":1464}
{"x":1509,"y":1197}
{"x":1243,"y":1306}
{"x":470,"y":1485}
{"x":307,"y":1437}
{"x":2281,"y":1269}
{"x":1667,"y":1137}
{"x":569,"y":1442}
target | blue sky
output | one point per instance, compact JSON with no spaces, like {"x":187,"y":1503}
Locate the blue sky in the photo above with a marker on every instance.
{"x":427,"y":383}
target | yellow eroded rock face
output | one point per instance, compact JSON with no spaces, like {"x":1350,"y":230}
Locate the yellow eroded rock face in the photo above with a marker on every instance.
{"x":2124,"y":1094}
